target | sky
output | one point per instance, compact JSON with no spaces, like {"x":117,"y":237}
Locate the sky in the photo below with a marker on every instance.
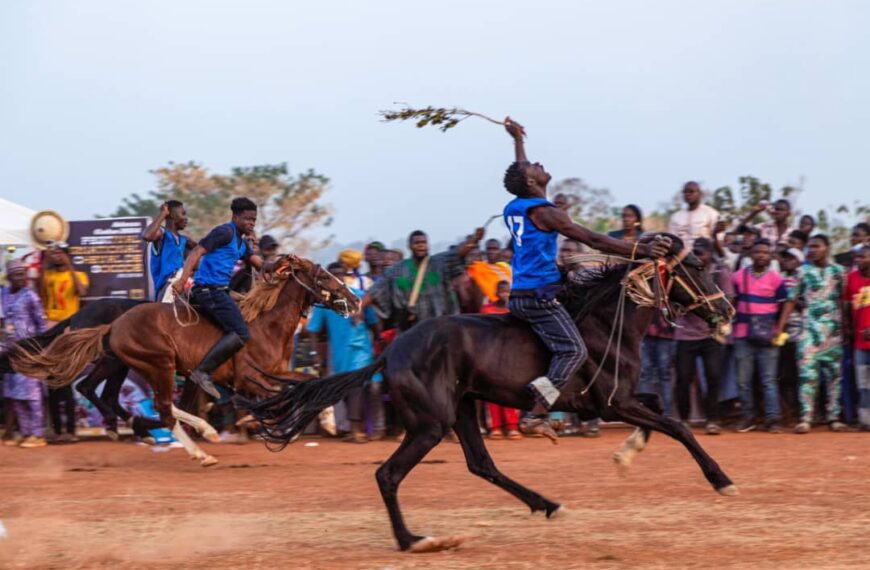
{"x":634,"y":96}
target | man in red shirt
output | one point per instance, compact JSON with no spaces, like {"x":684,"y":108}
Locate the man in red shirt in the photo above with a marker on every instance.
{"x":856,"y":297}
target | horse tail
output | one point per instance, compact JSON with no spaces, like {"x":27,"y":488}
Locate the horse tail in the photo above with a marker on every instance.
{"x":62,"y":361}
{"x":283,"y":417}
{"x":32,"y":344}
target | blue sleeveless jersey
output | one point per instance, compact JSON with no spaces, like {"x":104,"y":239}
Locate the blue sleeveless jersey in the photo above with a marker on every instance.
{"x":534,"y":261}
{"x":216,"y":266}
{"x":167,"y":259}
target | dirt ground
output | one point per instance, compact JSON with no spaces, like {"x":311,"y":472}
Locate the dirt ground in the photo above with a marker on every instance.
{"x":804,"y":503}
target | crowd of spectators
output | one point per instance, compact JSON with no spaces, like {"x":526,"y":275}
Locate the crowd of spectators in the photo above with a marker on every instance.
{"x":798,"y":355}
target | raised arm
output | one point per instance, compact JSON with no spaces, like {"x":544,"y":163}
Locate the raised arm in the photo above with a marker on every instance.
{"x":154,"y":230}
{"x":554,"y":219}
{"x":518,"y":133}
{"x":760,"y":207}
{"x":471,"y":243}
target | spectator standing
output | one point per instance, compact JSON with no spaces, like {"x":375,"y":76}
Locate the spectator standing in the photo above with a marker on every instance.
{"x":857,"y":309}
{"x":419,"y":288}
{"x":374,"y":255}
{"x":807,"y":224}
{"x":488,"y":274}
{"x":697,"y":220}
{"x":777,"y":229}
{"x":695,"y":339}
{"x":789,"y":261}
{"x":23,"y":318}
{"x":632,"y":224}
{"x":351,"y":262}
{"x":511,"y":415}
{"x":351,"y":348}
{"x":798,"y":240}
{"x":61,"y":289}
{"x":858,"y":238}
{"x":759,"y":292}
{"x":819,"y":288}
{"x":657,"y":350}
{"x":168,"y":246}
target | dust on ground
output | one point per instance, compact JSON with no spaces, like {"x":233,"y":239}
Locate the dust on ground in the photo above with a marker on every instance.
{"x":804,"y":503}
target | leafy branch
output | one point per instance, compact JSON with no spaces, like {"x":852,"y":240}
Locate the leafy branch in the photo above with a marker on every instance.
{"x":441,"y":117}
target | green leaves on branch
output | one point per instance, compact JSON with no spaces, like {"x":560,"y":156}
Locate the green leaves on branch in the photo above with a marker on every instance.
{"x":441,"y":117}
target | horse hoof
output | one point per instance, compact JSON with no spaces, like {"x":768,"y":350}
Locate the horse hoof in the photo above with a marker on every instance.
{"x":208,"y":461}
{"x":245,"y":420}
{"x":211,"y":435}
{"x":437,"y":544}
{"x":560,"y":513}
{"x":112,"y":434}
{"x":622,"y":463}
{"x":728,"y":490}
{"x":149,"y":440}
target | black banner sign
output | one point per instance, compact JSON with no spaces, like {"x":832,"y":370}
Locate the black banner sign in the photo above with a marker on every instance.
{"x":112,"y":254}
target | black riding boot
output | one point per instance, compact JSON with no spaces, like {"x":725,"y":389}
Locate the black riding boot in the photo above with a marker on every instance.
{"x":223,"y":350}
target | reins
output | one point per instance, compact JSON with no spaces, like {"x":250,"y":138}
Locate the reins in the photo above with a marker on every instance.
{"x":636,"y":286}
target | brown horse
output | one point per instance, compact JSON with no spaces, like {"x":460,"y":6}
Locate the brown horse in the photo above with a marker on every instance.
{"x":157,"y":339}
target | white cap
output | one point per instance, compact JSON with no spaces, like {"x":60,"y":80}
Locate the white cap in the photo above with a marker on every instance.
{"x":796,"y":253}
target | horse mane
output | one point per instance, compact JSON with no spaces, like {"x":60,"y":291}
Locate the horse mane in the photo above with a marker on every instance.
{"x":590,"y":288}
{"x":261,"y":298}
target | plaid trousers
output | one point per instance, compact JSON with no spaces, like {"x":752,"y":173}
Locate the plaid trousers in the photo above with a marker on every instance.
{"x":554,"y":326}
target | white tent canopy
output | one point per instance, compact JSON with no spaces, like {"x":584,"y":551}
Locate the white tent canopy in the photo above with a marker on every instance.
{"x":14,"y":223}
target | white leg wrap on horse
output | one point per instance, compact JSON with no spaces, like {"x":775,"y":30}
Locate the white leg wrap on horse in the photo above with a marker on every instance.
{"x":181,"y":436}
{"x":195,"y":452}
{"x":200,"y":425}
{"x":546,"y":389}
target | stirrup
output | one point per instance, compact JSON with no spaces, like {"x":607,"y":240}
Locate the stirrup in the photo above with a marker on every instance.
{"x":539,"y":425}
{"x":203,"y":380}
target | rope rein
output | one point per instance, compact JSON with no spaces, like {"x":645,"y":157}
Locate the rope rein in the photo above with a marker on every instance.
{"x":636,"y":286}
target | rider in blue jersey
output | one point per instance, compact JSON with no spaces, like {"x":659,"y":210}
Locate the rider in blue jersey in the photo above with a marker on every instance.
{"x":168,"y":246}
{"x":210,"y":294}
{"x":534,"y":224}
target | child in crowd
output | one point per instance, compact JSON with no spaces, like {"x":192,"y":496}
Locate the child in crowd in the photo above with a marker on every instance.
{"x":511,"y":415}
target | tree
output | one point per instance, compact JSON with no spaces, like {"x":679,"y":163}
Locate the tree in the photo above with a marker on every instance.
{"x":288,"y":205}
{"x":592,"y":207}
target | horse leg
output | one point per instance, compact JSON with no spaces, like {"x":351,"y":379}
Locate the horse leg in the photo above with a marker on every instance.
{"x":480,"y":462}
{"x":191,"y":448}
{"x":162,"y":382}
{"x":200,"y":425}
{"x":112,"y":391}
{"x":411,"y":451}
{"x":189,"y":393}
{"x":87,"y":387}
{"x":635,"y":413}
{"x":637,"y":441}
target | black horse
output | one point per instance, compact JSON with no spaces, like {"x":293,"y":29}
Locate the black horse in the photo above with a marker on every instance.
{"x":437,"y":370}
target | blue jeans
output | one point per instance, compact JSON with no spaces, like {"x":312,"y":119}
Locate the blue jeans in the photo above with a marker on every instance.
{"x":657,"y":365}
{"x":767,"y":357}
{"x":217,"y":305}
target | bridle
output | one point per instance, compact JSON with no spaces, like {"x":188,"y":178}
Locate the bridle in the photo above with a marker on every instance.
{"x":650,"y":285}
{"x":318,"y":291}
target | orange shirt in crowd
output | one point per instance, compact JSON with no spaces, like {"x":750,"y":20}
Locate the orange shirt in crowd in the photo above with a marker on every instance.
{"x":487,"y":276}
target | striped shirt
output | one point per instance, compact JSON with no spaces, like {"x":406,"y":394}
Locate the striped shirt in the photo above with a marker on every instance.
{"x":757,"y":295}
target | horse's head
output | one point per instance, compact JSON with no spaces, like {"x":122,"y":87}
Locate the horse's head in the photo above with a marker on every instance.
{"x":324,"y":288}
{"x":681,"y":278}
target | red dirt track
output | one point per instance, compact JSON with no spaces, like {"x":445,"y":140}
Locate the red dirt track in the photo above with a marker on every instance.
{"x":804,"y":503}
